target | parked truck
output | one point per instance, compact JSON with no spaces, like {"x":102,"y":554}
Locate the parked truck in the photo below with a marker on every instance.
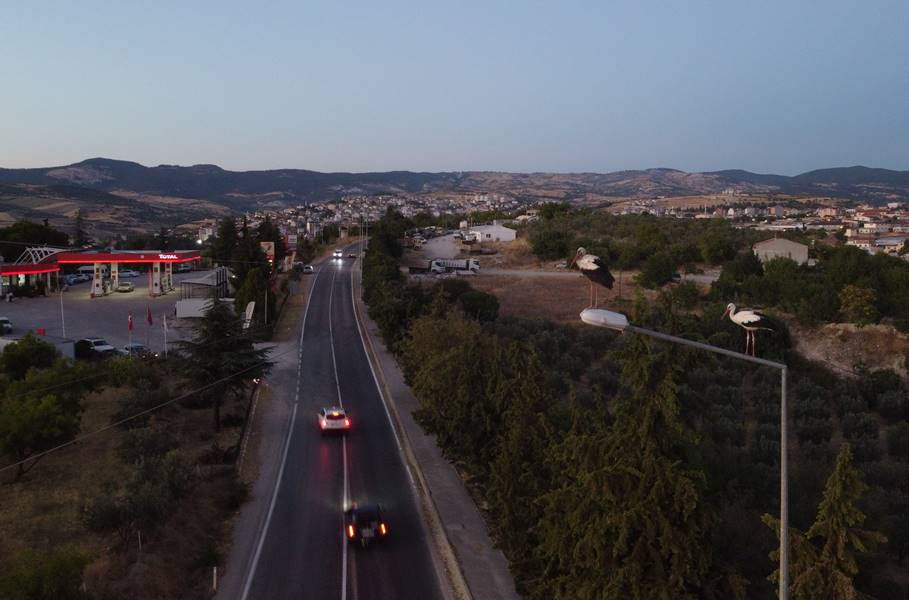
{"x":443,"y":265}
{"x":438,"y":266}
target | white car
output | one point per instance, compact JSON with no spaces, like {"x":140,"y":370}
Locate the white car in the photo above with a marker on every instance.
{"x":338,"y":253}
{"x":6,"y":326}
{"x":128,"y":273}
{"x":124,"y":287}
{"x":333,"y":418}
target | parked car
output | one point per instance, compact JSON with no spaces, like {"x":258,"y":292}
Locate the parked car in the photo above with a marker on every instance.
{"x":364,"y":524}
{"x":309,"y":269}
{"x":94,"y":348}
{"x":74,"y":278}
{"x":352,"y":255}
{"x":128,"y":273}
{"x":6,"y":326}
{"x":184,"y":268}
{"x":125,"y":287}
{"x":137,"y":350}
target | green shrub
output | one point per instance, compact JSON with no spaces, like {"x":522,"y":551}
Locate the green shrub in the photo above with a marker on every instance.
{"x":893,"y":406}
{"x":898,"y":440}
{"x":866,"y":447}
{"x":550,"y":244}
{"x":51,"y":575}
{"x":657,"y":270}
{"x":480,"y":305}
{"x":860,"y":424}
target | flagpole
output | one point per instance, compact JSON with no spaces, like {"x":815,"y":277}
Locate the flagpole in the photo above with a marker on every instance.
{"x":130,"y":327}
{"x":165,"y":335}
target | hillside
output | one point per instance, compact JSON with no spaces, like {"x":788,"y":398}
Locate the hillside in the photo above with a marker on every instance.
{"x":126,"y":194}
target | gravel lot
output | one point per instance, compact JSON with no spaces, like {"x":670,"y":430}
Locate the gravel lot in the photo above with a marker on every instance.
{"x":103,"y":317}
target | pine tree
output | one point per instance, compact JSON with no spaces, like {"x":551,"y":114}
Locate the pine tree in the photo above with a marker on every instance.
{"x":824,"y":559}
{"x":225,"y":241}
{"x":222,"y":356}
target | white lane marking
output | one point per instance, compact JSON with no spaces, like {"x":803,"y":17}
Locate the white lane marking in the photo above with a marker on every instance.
{"x":251,"y":572}
{"x":346,"y":495}
{"x":344,"y":542}
{"x":271,"y":506}
{"x":391,"y":424}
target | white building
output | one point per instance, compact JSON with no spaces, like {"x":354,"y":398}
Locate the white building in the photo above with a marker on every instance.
{"x":781,"y":248}
{"x":494,"y":233}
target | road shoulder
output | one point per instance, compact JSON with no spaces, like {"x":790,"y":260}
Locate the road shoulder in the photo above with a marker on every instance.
{"x":268,"y":429}
{"x":475,"y":567}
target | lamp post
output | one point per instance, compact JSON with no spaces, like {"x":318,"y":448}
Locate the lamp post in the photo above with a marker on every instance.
{"x":619,"y":322}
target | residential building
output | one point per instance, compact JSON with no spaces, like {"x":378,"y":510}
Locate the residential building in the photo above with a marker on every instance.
{"x":781,"y":248}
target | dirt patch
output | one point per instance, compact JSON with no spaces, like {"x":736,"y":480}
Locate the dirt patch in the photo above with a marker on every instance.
{"x":843,"y":346}
{"x":559,"y":299}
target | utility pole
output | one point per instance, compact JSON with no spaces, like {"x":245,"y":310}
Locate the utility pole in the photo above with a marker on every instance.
{"x":62,"y":319}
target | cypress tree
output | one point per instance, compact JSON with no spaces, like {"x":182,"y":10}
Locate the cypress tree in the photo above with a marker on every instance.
{"x":627,"y":519}
{"x":518,"y":477}
{"x":824,"y":560}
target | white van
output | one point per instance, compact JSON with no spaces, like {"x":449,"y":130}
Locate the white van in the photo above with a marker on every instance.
{"x":90,"y":270}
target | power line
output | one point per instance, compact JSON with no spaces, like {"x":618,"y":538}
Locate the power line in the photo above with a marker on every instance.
{"x":102,"y":373}
{"x":139,"y":414}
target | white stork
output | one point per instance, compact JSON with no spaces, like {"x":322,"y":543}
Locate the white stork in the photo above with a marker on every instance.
{"x":595,"y":270}
{"x":750,"y":320}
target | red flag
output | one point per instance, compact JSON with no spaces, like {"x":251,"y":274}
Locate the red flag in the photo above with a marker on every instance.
{"x":129,"y":322}
{"x":148,"y":315}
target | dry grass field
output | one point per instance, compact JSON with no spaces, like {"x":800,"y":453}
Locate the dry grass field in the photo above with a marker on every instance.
{"x":714,"y":200}
{"x":561,"y":299}
{"x":42,"y":511}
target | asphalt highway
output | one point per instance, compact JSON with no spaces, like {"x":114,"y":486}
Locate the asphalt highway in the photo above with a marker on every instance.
{"x":302,"y":551}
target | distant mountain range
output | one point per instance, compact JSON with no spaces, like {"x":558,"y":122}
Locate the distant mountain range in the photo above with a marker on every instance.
{"x":141,"y":195}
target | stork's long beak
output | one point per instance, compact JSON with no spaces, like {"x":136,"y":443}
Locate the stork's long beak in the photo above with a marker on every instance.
{"x":725,"y":313}
{"x":574,"y":259}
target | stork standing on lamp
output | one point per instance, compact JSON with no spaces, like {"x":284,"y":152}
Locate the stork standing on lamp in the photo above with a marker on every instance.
{"x":751,"y":321}
{"x":595,"y":270}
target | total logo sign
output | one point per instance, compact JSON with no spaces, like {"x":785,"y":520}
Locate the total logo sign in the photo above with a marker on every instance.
{"x":168,"y":256}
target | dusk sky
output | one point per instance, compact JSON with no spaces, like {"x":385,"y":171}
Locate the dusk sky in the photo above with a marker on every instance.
{"x":770,"y":86}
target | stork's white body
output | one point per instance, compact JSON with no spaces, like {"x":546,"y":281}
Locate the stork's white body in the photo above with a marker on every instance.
{"x":595,"y":270}
{"x":751,"y":321}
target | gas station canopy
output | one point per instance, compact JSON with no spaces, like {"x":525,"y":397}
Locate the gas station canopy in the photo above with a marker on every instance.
{"x":126,"y":256}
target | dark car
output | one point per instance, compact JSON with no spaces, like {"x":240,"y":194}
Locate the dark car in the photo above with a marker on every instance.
{"x":137,"y":350}
{"x":94,"y":348}
{"x":364,"y":524}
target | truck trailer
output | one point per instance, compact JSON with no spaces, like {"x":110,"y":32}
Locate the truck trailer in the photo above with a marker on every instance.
{"x":443,"y":265}
{"x":437,"y":266}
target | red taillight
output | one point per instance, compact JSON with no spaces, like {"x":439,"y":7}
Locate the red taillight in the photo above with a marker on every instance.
{"x":350,"y":531}
{"x":346,"y":422}
{"x":382,"y":529}
{"x":321,"y":424}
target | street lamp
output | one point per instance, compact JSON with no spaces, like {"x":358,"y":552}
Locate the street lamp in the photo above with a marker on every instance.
{"x":619,"y":322}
